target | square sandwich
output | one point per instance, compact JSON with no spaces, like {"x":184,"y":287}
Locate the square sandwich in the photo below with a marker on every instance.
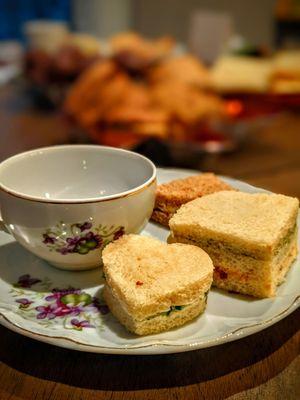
{"x":152,"y":286}
{"x":251,"y":238}
{"x":170,"y":196}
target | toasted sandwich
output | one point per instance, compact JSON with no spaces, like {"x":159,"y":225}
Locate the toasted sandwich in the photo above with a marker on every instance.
{"x":170,"y":196}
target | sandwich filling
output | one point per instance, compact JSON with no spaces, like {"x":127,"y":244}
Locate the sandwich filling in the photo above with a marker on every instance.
{"x":173,"y":309}
{"x":244,"y":273}
{"x":286,"y":240}
{"x":221,"y":246}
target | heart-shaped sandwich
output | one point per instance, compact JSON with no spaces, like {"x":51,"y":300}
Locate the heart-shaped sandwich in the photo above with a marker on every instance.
{"x":152,"y":286}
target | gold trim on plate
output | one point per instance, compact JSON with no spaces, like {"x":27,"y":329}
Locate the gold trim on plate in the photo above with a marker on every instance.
{"x":267,"y":323}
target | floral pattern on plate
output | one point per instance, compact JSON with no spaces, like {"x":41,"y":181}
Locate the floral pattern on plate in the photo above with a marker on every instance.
{"x":80,"y":238}
{"x":72,"y":308}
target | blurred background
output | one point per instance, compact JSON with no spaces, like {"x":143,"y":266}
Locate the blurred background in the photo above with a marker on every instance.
{"x":204,"y":84}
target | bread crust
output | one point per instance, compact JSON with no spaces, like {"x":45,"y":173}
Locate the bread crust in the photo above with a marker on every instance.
{"x":161,"y":217}
{"x":148,"y":276}
{"x":170,"y":196}
{"x":255,"y":222}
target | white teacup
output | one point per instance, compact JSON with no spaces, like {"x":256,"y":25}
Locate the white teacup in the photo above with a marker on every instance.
{"x":65,"y":203}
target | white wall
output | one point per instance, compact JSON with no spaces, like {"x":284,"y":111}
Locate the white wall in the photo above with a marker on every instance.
{"x":252,"y":18}
{"x":101,"y":17}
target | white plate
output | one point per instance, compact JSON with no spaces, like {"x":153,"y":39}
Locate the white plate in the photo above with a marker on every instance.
{"x":228,"y":317}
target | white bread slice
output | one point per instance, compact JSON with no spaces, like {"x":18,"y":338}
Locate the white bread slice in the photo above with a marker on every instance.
{"x":145,"y":277}
{"x":255,"y":223}
{"x":251,"y":238}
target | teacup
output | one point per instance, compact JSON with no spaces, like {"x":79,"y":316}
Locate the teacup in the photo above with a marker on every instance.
{"x":65,"y":203}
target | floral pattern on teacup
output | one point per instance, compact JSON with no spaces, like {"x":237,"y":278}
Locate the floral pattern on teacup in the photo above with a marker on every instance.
{"x":80,"y":238}
{"x":73,"y":308}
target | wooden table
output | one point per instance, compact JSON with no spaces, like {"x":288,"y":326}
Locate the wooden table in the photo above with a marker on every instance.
{"x":263,"y":366}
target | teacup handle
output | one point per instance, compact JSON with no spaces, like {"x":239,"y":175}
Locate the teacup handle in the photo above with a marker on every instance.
{"x":3,"y":227}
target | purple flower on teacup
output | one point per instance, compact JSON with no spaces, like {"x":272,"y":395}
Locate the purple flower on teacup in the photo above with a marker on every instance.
{"x":80,"y":238}
{"x":91,"y":241}
{"x":120,"y":232}
{"x":70,"y":245}
{"x":26,"y":281}
{"x":48,"y":239}
{"x":73,"y":241}
{"x":63,"y":251}
{"x":78,"y":325}
{"x":82,"y":245}
{"x":85,"y":226}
